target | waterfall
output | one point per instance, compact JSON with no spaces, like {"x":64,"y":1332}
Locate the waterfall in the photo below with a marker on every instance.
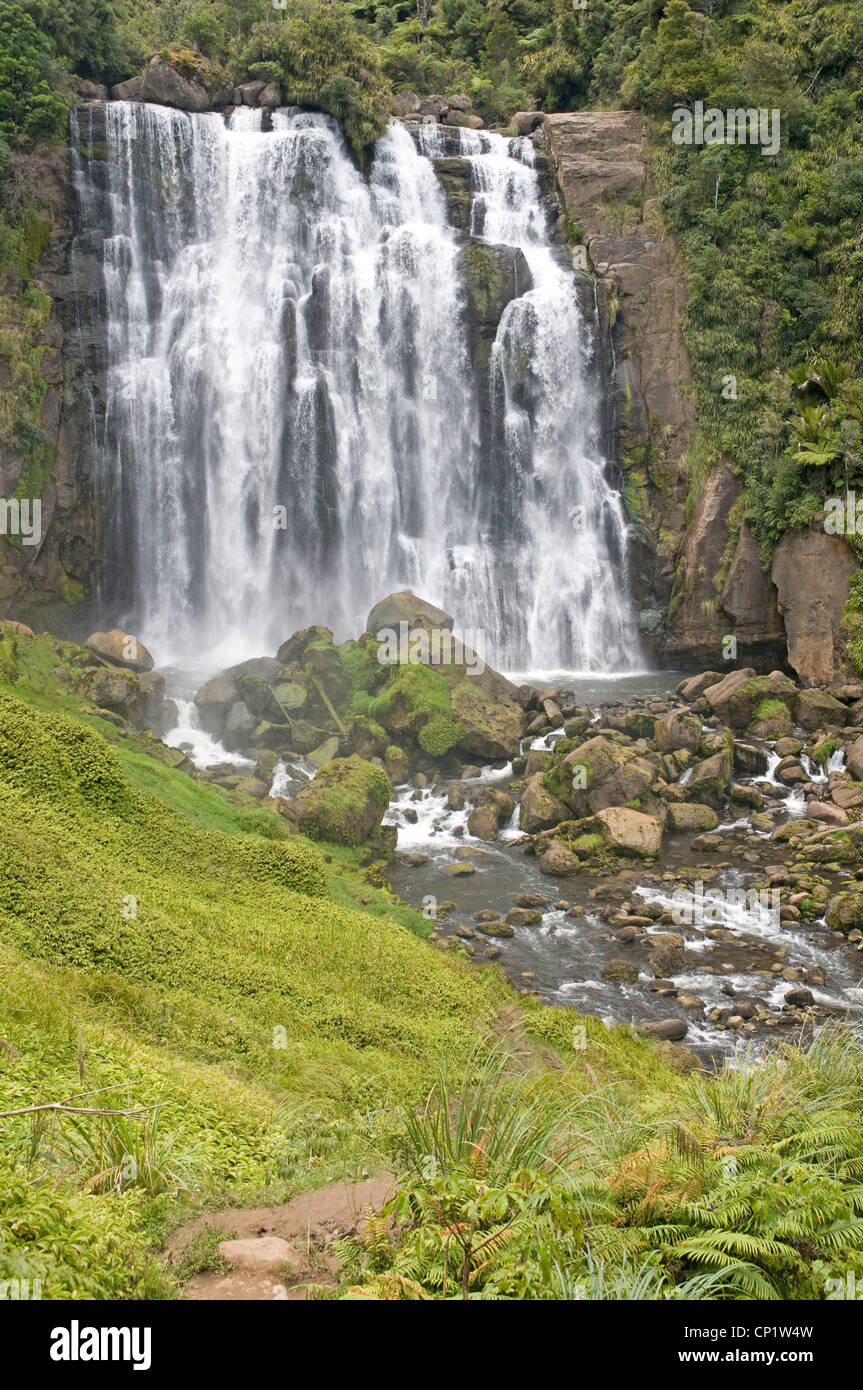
{"x":292,"y":423}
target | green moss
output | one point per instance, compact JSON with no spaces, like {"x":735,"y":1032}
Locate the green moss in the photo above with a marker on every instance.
{"x":769,"y":709}
{"x":439,"y":735}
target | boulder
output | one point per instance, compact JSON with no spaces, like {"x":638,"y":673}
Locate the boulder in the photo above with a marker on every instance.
{"x":559,"y":860}
{"x":405,"y":104}
{"x":539,"y":809}
{"x":854,"y":759}
{"x":694,"y":686}
{"x":736,"y":698}
{"x":261,"y":1255}
{"x":251,"y":91}
{"x":526,"y":122}
{"x":166,"y":86}
{"x":113,"y":689}
{"x":845,"y":912}
{"x":214,"y":702}
{"x":405,"y":607}
{"x":685,"y":817}
{"x":630,"y":832}
{"x":120,"y":649}
{"x":130,"y":90}
{"x":677,"y":730}
{"x":614,"y":775}
{"x":483,"y":822}
{"x":271,"y":95}
{"x":710,"y":779}
{"x":812,"y":572}
{"x":622,"y":971}
{"x":670,"y":1029}
{"x":818,"y":708}
{"x":345,"y":802}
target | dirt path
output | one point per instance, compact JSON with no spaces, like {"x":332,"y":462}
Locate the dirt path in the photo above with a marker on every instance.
{"x":276,"y":1252}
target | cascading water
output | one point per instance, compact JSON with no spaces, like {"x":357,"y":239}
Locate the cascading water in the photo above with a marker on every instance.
{"x":292,"y":424}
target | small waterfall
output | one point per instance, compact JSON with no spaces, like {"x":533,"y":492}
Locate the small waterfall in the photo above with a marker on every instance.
{"x":292,"y":425}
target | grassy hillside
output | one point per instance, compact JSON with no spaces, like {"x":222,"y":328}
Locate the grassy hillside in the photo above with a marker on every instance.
{"x":261,"y":1036}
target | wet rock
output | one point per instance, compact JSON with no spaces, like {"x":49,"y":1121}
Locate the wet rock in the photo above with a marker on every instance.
{"x":530,"y":900}
{"x":670,"y":1029}
{"x":800,"y":998}
{"x":496,"y":928}
{"x":817,"y":708}
{"x":460,"y":870}
{"x":622,"y":971}
{"x":539,"y":809}
{"x":629,"y":832}
{"x":559,"y":859}
{"x":523,"y":917}
{"x":688,"y":817}
{"x":483,"y":822}
{"x":676,"y":730}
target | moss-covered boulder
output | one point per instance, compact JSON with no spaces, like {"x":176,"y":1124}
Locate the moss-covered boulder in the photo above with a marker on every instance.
{"x":735,"y":698}
{"x":818,"y":708}
{"x":684,"y":817}
{"x":540,"y":810}
{"x":710,"y":778}
{"x":599,"y":773}
{"x":677,"y":730}
{"x":345,"y":803}
{"x":845,"y":912}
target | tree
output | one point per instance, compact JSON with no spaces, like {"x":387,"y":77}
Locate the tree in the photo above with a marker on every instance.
{"x":28,"y":106}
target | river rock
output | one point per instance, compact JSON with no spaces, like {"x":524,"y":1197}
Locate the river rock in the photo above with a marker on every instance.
{"x":539,"y":809}
{"x":670,"y":1029}
{"x":559,"y":859}
{"x":845,"y":911}
{"x":483,"y":822}
{"x":854,"y":759}
{"x":622,"y":971}
{"x":630,"y":832}
{"x":689,"y":818}
{"x":677,"y":730}
{"x":818,"y":708}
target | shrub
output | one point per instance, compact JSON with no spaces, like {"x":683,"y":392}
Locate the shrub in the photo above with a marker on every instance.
{"x":28,"y":106}
{"x":294,"y":866}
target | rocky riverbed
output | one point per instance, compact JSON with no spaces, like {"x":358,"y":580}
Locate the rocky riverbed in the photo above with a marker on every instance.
{"x":710,"y":894}
{"x":683,"y":855}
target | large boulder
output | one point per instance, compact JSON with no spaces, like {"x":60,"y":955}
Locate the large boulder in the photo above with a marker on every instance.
{"x":812,"y":572}
{"x":114,"y":689}
{"x":120,"y":649}
{"x":677,"y":730}
{"x":405,"y":607}
{"x":214,"y":702}
{"x":737,"y":697}
{"x":174,"y":81}
{"x":612,"y":775}
{"x":490,"y":728}
{"x":845,"y":912}
{"x":691,"y":819}
{"x":345,"y":802}
{"x":854,"y":759}
{"x":539,"y":809}
{"x":629,"y":832}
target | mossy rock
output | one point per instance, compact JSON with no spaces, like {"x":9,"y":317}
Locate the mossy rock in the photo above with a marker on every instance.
{"x":345,"y":803}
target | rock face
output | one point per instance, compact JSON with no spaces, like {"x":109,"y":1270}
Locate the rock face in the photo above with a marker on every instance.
{"x":812,"y":572}
{"x":600,"y":161}
{"x":744,"y":605}
{"x":492,"y":276}
{"x":39,"y":583}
